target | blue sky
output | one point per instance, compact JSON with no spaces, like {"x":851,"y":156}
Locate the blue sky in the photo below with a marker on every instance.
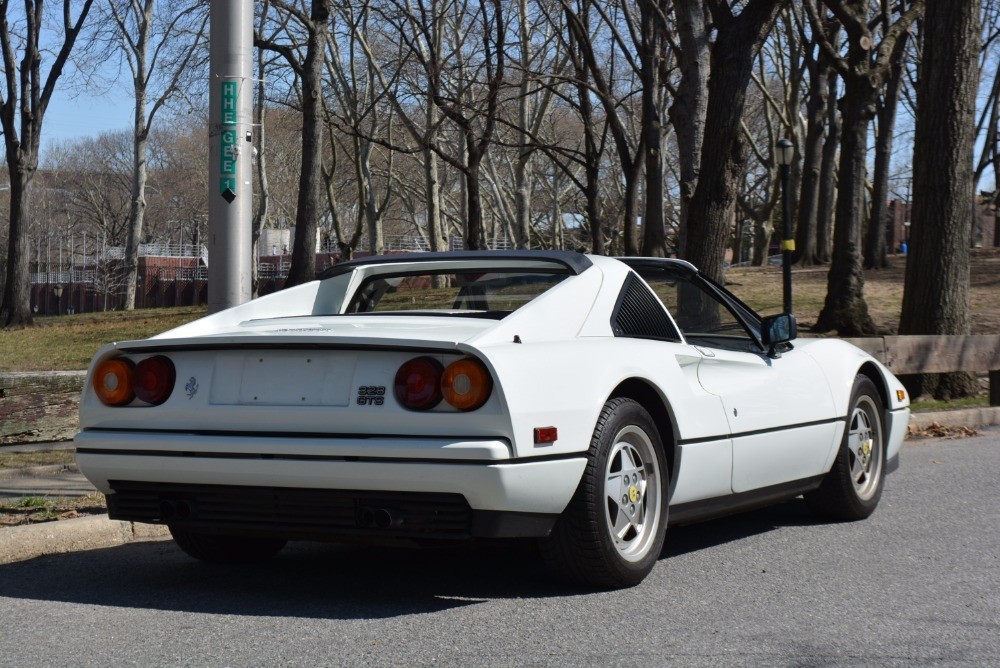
{"x":76,"y":115}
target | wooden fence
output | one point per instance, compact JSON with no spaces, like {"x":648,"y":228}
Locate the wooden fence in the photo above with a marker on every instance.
{"x":939,"y":354}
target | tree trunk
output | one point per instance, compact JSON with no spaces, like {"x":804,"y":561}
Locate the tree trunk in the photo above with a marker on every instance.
{"x":812,"y":166}
{"x":522,"y":166}
{"x":303,"y":267}
{"x":828,"y":175}
{"x":687,"y":113}
{"x":724,"y":151}
{"x":432,"y":195}
{"x":367,"y":204}
{"x":845,"y":309}
{"x":137,"y":207}
{"x":592,"y":153}
{"x":476,"y":238}
{"x":936,"y":292}
{"x":264,"y":197}
{"x":876,"y":256}
{"x":654,"y":242}
{"x":15,"y":310}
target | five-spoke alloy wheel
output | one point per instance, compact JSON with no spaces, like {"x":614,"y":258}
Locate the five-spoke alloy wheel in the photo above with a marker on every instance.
{"x":852,"y":488}
{"x":612,"y":531}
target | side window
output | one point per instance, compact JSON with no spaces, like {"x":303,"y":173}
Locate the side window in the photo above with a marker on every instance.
{"x":703,"y":317}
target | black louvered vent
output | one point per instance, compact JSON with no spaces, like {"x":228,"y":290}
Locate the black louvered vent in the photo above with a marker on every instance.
{"x":640,"y":314}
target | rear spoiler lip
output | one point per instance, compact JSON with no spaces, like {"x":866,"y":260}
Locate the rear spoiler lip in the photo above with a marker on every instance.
{"x":576,"y":263}
{"x":161,"y":346}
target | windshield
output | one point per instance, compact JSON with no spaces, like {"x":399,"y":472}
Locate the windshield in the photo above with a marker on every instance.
{"x":490,"y":294}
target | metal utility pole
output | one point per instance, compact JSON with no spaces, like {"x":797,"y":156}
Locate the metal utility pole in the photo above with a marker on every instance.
{"x":230,"y":142}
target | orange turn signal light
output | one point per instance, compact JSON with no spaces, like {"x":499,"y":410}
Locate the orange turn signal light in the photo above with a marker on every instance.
{"x":466,"y":384}
{"x":113,"y":381}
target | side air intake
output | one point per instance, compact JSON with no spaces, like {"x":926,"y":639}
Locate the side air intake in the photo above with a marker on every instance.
{"x":639,"y":314}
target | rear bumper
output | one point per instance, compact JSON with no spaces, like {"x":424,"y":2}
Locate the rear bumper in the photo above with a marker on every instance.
{"x":499,"y":491}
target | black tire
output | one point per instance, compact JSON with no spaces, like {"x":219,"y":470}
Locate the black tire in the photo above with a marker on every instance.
{"x":218,"y":549}
{"x":853,"y":487}
{"x":609,"y":541}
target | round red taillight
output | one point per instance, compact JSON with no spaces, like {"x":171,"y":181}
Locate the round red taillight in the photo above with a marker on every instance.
{"x":418,"y":384}
{"x":154,"y":379}
{"x":466,"y":384}
{"x":113,"y":381}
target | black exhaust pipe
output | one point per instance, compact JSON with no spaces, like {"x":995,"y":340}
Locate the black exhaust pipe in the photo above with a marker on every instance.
{"x":185,"y":510}
{"x":386,"y":518}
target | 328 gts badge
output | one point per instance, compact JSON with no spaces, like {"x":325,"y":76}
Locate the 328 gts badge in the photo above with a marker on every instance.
{"x":371,"y":395}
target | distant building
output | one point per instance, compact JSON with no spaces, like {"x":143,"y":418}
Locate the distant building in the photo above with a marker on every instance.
{"x":984,"y":226}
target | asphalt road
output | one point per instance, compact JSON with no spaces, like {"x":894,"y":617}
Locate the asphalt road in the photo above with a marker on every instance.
{"x":917,"y":583}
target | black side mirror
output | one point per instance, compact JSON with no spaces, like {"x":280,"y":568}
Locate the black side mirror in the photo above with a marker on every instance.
{"x":777,"y":329}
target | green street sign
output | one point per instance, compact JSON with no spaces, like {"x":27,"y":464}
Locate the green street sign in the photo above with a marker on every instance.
{"x":229,"y":139}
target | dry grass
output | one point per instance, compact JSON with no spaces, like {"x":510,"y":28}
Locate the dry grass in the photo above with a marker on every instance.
{"x":19,"y":460}
{"x":760,"y":287}
{"x":36,"y":509}
{"x":66,"y":343}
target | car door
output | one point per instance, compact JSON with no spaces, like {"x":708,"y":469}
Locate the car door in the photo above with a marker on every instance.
{"x":779,"y":411}
{"x":779,"y":407}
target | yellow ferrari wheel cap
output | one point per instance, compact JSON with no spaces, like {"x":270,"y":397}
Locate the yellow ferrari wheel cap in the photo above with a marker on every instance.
{"x":633,"y":493}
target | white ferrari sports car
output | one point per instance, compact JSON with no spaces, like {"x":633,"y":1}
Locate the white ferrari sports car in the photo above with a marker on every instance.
{"x":582,"y":400}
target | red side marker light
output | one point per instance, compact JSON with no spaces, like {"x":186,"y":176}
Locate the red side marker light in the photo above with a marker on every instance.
{"x":544,"y":435}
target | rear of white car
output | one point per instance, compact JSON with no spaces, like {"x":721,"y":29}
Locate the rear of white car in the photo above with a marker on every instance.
{"x":316,"y":425}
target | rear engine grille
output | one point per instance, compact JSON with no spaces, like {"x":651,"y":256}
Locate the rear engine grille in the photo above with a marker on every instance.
{"x":292,"y":512}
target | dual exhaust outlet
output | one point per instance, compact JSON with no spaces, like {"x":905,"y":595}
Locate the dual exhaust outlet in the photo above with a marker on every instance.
{"x":379,"y":518}
{"x":177,"y":510}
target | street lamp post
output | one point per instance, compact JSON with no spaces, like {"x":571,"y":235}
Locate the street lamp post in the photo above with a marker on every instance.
{"x":57,"y":291}
{"x":785,"y":153}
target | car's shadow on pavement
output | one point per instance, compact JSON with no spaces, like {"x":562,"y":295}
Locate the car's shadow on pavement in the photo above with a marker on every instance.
{"x":694,"y":537}
{"x":328,"y":581}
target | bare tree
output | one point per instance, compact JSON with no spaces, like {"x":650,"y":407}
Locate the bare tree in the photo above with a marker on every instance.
{"x":629,"y":144}
{"x":687,"y":113}
{"x":24,"y":100}
{"x":864,"y":70}
{"x":739,"y":39}
{"x":807,"y":239}
{"x":886,"y":105}
{"x":300,"y":38}
{"x":162,"y":43}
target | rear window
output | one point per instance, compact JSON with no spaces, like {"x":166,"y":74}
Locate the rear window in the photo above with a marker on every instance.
{"x":488,"y":294}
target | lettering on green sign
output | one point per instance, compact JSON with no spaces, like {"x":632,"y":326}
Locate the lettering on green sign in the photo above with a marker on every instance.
{"x":229,"y":138}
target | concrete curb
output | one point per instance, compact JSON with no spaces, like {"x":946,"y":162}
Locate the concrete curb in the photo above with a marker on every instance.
{"x":36,"y":471}
{"x":966,"y":417}
{"x":21,"y":543}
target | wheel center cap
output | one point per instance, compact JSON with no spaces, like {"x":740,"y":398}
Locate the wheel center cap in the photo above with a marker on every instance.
{"x":866,"y":447}
{"x":633,"y":493}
